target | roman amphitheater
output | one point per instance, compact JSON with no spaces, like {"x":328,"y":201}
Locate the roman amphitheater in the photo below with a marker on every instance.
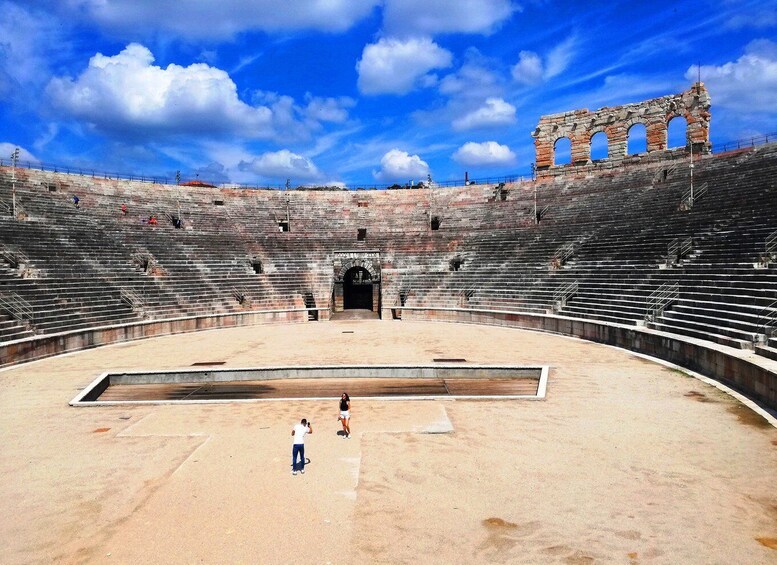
{"x":578,"y":367}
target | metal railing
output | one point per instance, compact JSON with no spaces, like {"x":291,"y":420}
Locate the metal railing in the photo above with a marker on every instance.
{"x":690,"y":197}
{"x":746,"y":142}
{"x":17,"y":307}
{"x":240,"y":294}
{"x":13,"y":257}
{"x":166,"y":180}
{"x":686,"y":246}
{"x":767,"y":320}
{"x":660,"y":298}
{"x":563,"y":253}
{"x":563,"y":293}
{"x":605,"y":164}
{"x":770,"y":245}
{"x":466,"y":294}
{"x":677,"y":249}
{"x":673,"y":252}
{"x":132,"y":299}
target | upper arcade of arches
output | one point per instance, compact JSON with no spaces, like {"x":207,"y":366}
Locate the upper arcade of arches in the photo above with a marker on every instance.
{"x":581,"y":125}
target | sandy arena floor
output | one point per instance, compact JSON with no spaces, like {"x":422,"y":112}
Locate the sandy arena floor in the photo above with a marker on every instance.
{"x":625,"y":462}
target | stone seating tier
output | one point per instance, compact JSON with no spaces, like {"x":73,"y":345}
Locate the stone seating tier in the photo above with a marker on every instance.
{"x":93,"y":265}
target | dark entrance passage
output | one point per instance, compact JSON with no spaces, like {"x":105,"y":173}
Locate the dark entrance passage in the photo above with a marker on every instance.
{"x":357,"y":289}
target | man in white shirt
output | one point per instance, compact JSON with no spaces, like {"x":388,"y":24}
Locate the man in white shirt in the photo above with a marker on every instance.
{"x":298,"y":433}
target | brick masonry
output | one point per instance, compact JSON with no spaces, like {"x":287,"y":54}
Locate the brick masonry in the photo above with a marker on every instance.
{"x":579,"y":126}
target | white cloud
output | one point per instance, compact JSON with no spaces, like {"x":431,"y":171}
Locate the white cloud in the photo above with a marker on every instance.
{"x":758,"y":18}
{"x":44,"y":139}
{"x":531,"y":69}
{"x":24,"y":57}
{"x":213,"y":173}
{"x":333,"y":110}
{"x":486,"y":153}
{"x":126,"y":93}
{"x":206,"y":20}
{"x":327,"y":183}
{"x":394,"y":66}
{"x":398,"y":165}
{"x":411,"y":17}
{"x":281,"y":165}
{"x":495,"y":112}
{"x":748,"y":84}
{"x":528,"y":69}
{"x":559,"y":57}
{"x":6,"y":149}
{"x":476,"y":78}
{"x":615,"y":90}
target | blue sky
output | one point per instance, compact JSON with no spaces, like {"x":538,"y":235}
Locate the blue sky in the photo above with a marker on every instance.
{"x":356,"y":92}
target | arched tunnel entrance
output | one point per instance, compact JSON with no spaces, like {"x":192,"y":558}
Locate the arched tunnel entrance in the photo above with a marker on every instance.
{"x":356,"y":284}
{"x":357,"y":289}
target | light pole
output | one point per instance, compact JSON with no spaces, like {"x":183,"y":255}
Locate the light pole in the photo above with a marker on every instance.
{"x":534,"y":182}
{"x":288,"y":216}
{"x":14,"y":158}
{"x":177,"y":192}
{"x":691,"y":197}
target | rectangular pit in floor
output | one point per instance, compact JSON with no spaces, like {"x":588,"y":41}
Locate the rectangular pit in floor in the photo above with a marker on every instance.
{"x":389,"y":382}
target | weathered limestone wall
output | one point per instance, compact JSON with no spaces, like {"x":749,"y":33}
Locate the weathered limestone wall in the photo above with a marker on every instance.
{"x":579,"y":126}
{"x":40,"y":347}
{"x":753,"y":379}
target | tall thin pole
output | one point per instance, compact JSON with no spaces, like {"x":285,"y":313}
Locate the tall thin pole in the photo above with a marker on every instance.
{"x":431,"y":200}
{"x":14,"y":158}
{"x":691,"y":202}
{"x":178,"y":192}
{"x":698,"y":77}
{"x":534,"y":182}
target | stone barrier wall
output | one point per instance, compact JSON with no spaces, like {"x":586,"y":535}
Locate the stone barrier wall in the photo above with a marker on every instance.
{"x":39,"y":347}
{"x":753,"y":378}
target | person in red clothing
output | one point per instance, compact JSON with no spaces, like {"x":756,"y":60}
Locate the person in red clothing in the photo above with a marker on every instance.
{"x":152,"y":221}
{"x":124,"y":209}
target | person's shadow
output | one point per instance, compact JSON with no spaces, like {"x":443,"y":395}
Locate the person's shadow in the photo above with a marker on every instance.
{"x":341,"y":432}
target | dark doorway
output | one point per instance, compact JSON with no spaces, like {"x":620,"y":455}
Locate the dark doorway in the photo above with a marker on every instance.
{"x":357,"y":289}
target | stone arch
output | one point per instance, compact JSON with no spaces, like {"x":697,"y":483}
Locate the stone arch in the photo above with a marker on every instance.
{"x":368,"y":262}
{"x":636,"y":138}
{"x":362,"y":263}
{"x":565,"y":150}
{"x":676,"y":131}
{"x":599,"y":149}
{"x":358,"y":289}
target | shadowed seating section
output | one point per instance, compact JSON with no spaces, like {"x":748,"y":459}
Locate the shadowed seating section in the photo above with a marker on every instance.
{"x":622,"y":245}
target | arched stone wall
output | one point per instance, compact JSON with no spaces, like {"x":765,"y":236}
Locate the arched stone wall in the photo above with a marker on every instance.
{"x":580,"y":125}
{"x":343,"y":261}
{"x":367,"y":264}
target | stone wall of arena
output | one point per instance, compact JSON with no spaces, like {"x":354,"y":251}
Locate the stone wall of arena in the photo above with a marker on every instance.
{"x":754,"y":380}
{"x":579,"y":126}
{"x":40,"y":347}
